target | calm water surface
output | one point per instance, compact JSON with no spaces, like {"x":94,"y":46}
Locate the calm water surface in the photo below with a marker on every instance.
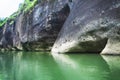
{"x":44,"y":66}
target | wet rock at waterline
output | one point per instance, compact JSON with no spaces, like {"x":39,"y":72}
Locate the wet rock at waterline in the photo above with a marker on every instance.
{"x":92,"y":26}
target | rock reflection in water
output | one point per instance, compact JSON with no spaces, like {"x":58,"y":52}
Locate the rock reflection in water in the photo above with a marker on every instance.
{"x":44,"y":66}
{"x":114,"y":65}
{"x":82,"y":67}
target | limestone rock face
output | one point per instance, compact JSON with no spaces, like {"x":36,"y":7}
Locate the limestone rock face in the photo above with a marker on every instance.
{"x":92,"y":26}
{"x":6,"y":36}
{"x":71,"y":25}
{"x":36,"y":29}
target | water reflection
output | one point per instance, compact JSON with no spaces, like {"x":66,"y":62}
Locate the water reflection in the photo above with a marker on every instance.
{"x":44,"y":66}
{"x":28,"y":66}
{"x":114,"y":65}
{"x":83,"y":67}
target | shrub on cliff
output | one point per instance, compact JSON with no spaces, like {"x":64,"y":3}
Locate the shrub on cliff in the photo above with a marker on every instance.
{"x":27,"y":5}
{"x":2,"y":21}
{"x":23,"y":8}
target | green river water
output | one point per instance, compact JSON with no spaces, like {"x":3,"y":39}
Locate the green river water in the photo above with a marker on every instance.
{"x":44,"y":66}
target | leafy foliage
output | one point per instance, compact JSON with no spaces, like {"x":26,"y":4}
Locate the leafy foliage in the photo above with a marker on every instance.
{"x":23,"y":7}
{"x":10,"y":18}
{"x":3,"y":21}
{"x":27,"y":5}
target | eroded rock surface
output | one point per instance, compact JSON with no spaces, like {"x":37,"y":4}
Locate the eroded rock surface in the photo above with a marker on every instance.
{"x":91,"y":27}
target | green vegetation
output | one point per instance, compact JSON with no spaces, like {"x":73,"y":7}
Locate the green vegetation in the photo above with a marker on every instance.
{"x":3,"y":21}
{"x":23,"y":8}
{"x":11,"y":19}
{"x":27,"y":5}
{"x":11,"y":22}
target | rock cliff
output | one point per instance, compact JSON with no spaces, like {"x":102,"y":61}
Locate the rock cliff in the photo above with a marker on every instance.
{"x":65,"y":26}
{"x":36,"y":29}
